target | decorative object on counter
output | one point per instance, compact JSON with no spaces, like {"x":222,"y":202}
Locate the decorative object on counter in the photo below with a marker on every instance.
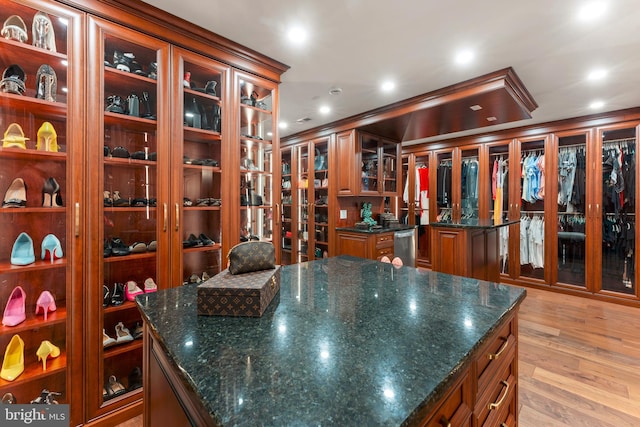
{"x":42,"y":32}
{"x":46,"y":83}
{"x":251,"y":256}
{"x":47,"y":138}
{"x":367,"y":221}
{"x":47,"y":351}
{"x":14,"y":137}
{"x":13,"y":79}
{"x":16,"y":195}
{"x":14,"y":28}
{"x":13,"y":362}
{"x":388,"y":220}
{"x":22,"y":252}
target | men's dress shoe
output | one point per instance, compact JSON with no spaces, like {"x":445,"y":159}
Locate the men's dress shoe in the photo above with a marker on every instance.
{"x":122,"y":334}
{"x":150,"y":285}
{"x":206,"y":241}
{"x":107,"y":341}
{"x":47,"y":351}
{"x":42,"y":31}
{"x":46,"y":398}
{"x":14,"y":137}
{"x":152,"y":246}
{"x":46,"y":83}
{"x":191,"y":242}
{"x":107,"y":248}
{"x":131,"y":290}
{"x":13,"y":363}
{"x":13,"y":80}
{"x":14,"y":311}
{"x":22,"y":252}
{"x":117,"y":296}
{"x":46,"y":302}
{"x":47,"y":138}
{"x":114,"y":388}
{"x":51,"y":246}
{"x":106,"y":296}
{"x":16,"y":195}
{"x":137,"y":331}
{"x":135,"y":378}
{"x":118,"y":248}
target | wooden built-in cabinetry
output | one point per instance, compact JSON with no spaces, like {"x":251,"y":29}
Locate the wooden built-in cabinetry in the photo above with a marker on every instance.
{"x":366,"y":245}
{"x":166,"y":142}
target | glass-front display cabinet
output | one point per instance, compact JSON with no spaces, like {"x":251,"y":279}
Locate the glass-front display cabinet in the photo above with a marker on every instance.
{"x":197,"y":198}
{"x":380,"y":165}
{"x":303,"y":207}
{"x":319,"y":223}
{"x":257,"y":149}
{"x":41,"y":153}
{"x":414,"y":205}
{"x":286,"y":208}
{"x":128,"y":209}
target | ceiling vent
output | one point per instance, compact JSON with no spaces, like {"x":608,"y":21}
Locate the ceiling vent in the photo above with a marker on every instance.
{"x":303,"y":120}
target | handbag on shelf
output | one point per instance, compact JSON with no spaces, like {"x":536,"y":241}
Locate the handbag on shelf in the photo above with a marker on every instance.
{"x":251,"y":256}
{"x":325,"y":181}
{"x":303,"y":183}
{"x":319,"y":162}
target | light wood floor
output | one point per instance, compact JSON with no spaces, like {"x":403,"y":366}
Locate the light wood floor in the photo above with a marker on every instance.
{"x":579,"y":363}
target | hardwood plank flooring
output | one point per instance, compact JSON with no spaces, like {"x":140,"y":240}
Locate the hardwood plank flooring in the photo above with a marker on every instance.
{"x":579,"y":363}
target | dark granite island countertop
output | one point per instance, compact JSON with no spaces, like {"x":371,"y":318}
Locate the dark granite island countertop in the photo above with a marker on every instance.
{"x":347,"y":342}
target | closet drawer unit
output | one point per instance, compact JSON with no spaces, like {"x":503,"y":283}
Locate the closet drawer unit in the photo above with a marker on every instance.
{"x":495,"y":354}
{"x":384,"y":251}
{"x":506,"y":417}
{"x":384,"y":241}
{"x":454,"y":409}
{"x":499,"y":394}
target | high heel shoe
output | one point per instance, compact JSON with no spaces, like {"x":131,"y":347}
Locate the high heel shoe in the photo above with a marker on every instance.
{"x":51,"y":245}
{"x":47,"y":351}
{"x":13,"y":363}
{"x":51,"y":197}
{"x":14,"y":312}
{"x":47,"y":138}
{"x":46,"y":302}
{"x":22,"y":252}
{"x":16,"y":195}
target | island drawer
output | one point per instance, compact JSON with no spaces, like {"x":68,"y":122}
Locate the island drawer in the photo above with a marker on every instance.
{"x":454,"y":409}
{"x":499,"y":394}
{"x":384,"y":251}
{"x":495,"y":354}
{"x":384,"y":240}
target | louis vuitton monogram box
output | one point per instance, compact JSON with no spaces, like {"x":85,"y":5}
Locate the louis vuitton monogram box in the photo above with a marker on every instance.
{"x":246,"y":294}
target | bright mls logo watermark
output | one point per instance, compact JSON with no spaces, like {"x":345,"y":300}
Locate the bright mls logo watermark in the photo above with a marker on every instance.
{"x":34,"y":415}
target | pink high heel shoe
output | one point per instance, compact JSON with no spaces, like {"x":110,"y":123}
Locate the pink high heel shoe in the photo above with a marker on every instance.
{"x":14,"y":311}
{"x":46,"y":302}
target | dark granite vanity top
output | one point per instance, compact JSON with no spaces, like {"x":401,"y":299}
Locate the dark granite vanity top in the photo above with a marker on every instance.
{"x":472,"y":223}
{"x":347,"y":341}
{"x":376,"y":230}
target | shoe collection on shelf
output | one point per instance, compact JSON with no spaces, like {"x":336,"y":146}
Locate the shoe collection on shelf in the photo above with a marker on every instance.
{"x":33,"y":161}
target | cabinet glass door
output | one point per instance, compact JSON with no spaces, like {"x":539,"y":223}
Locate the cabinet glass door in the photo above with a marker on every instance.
{"x":421,"y":197}
{"x":498,"y":196}
{"x":572,"y":210}
{"x":369,"y":164}
{"x":444,"y":197}
{"x":129,"y":74}
{"x":389,"y":168}
{"x":320,"y":218}
{"x":618,"y":210}
{"x":258,"y":142}
{"x":531,"y":196}
{"x":199,"y":199}
{"x":286,"y":201}
{"x":469,"y":177}
{"x":301,"y":200}
{"x":40,"y":160}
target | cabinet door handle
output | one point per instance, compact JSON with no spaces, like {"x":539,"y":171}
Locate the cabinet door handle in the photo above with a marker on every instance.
{"x":505,"y":391}
{"x":77,"y":224}
{"x":503,"y":347}
{"x":597,"y":210}
{"x":278,"y":219}
{"x":177,"y":216}
{"x":444,"y":421}
{"x":589,"y":210}
{"x":165,"y":214}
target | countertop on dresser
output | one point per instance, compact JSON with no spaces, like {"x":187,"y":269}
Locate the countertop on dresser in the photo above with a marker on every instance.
{"x":347,"y":341}
{"x":472,"y":223}
{"x":375,"y":230}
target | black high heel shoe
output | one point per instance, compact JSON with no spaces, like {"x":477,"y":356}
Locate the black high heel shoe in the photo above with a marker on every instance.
{"x":51,"y":197}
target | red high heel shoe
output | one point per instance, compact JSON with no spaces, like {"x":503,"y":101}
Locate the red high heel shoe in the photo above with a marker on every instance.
{"x":46,"y":302}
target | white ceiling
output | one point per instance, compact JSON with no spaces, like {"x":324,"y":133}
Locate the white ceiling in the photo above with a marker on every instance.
{"x":356,"y":44}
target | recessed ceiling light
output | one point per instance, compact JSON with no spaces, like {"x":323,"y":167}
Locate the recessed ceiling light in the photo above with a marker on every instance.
{"x":282,"y":125}
{"x":297,"y":35}
{"x":491,"y":119}
{"x":476,"y":107}
{"x":598,"y":74}
{"x":464,"y":57}
{"x":591,"y":11}
{"x":596,"y":105}
{"x":325,"y":109}
{"x":387,"y":86}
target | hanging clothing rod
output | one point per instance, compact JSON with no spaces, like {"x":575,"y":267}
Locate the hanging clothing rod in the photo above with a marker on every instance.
{"x":583,"y":145}
{"x":615,"y":141}
{"x":533,"y":150}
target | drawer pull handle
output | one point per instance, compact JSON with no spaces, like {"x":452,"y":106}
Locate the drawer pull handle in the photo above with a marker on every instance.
{"x":444,"y":422}
{"x":177,"y":216}
{"x":503,"y":425}
{"x":505,"y":390}
{"x":494,"y":356}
